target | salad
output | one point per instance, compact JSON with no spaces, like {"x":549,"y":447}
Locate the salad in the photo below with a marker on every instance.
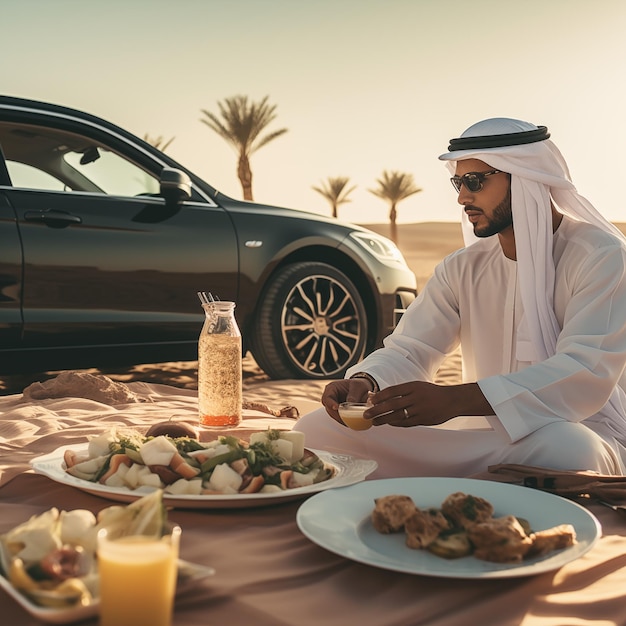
{"x":271,"y":461}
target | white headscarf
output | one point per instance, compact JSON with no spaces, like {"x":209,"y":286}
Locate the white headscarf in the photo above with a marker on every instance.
{"x":539,"y":174}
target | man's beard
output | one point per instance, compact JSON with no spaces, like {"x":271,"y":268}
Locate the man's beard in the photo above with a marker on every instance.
{"x":502,"y":218}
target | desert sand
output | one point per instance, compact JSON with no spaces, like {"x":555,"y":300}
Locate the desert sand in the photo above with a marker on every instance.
{"x":423,"y":245}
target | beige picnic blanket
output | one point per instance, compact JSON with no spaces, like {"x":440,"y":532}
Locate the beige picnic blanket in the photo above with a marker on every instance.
{"x":78,"y":406}
{"x":268,"y":572}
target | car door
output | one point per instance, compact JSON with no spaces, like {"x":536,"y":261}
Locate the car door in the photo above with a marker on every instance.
{"x":10,"y":269}
{"x":107,"y":261}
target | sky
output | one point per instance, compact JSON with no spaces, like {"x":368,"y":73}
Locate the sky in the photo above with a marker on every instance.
{"x":362,"y":86}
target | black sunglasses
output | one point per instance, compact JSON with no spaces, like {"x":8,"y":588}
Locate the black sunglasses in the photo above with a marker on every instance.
{"x":472,"y":180}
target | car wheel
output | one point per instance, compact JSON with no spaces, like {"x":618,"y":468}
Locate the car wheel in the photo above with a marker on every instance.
{"x":311,"y":323}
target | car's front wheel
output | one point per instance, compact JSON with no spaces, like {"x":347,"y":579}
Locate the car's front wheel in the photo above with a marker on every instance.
{"x":311,"y":323}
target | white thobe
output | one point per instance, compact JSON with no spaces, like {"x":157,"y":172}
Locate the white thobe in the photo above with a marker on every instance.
{"x":473,"y":299}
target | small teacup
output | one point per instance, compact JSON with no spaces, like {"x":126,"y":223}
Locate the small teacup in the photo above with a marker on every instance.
{"x":351,"y":414}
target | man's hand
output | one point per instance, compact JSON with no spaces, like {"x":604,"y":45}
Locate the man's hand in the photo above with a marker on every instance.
{"x":349,"y":390}
{"x":420,"y":403}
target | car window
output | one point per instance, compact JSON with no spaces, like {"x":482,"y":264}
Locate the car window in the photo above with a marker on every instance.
{"x":23,"y":175}
{"x":50,"y":159}
{"x":112,"y":173}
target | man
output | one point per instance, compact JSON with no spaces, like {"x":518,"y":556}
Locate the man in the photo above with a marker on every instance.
{"x":538,"y":305}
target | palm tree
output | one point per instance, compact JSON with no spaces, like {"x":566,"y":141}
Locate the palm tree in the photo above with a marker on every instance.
{"x":395,"y":186}
{"x":159,"y":143}
{"x":334,"y":190}
{"x":241,"y":124}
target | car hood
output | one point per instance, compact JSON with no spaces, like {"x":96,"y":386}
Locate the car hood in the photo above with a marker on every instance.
{"x":252,"y":208}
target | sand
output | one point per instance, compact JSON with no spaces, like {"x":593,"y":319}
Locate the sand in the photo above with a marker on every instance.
{"x":423,"y":245}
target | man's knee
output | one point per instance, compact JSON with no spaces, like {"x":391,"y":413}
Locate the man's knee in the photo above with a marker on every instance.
{"x":566,"y":446}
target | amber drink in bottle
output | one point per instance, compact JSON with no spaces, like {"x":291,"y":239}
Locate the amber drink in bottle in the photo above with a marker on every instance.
{"x":219,"y":366}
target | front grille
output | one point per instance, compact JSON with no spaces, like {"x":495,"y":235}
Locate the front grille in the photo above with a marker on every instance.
{"x":402,"y":301}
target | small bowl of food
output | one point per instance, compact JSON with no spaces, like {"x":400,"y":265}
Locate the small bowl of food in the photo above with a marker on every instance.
{"x":351,"y":414}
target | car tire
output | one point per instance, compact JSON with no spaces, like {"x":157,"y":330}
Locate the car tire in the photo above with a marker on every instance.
{"x":311,"y":323}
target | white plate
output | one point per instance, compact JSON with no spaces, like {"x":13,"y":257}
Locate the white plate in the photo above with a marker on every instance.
{"x":340,"y":522}
{"x":348,"y":470}
{"x":188,"y":575}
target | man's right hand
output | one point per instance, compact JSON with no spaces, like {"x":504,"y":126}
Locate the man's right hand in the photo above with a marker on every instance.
{"x":348,"y":390}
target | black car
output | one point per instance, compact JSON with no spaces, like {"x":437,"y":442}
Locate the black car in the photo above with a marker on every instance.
{"x":105,"y":242}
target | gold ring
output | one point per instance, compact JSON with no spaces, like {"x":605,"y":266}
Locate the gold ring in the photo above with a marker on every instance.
{"x":406,"y":414}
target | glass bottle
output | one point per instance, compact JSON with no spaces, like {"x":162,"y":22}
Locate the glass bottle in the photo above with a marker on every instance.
{"x":219,"y":366}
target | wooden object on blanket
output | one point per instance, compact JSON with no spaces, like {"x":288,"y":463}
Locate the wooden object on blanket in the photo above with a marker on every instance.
{"x":288,"y":411}
{"x":567,"y":483}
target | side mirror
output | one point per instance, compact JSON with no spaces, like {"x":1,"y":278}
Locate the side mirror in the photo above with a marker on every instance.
{"x":175,"y":186}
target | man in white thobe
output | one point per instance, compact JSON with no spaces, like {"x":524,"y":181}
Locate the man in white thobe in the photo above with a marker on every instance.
{"x":537,"y":301}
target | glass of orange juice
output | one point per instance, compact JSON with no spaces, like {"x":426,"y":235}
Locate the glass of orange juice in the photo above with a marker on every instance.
{"x":351,"y":414}
{"x":138,"y":578}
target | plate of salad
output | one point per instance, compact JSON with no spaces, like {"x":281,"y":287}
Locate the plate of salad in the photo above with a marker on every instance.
{"x":274,"y":466}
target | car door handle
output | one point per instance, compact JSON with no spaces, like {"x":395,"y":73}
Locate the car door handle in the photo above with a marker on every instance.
{"x":52,"y":218}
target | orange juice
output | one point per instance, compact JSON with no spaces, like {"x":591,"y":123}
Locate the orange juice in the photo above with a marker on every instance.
{"x":137,"y":579}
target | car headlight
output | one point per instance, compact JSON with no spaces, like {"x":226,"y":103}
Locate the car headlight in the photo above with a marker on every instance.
{"x":380,"y":247}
